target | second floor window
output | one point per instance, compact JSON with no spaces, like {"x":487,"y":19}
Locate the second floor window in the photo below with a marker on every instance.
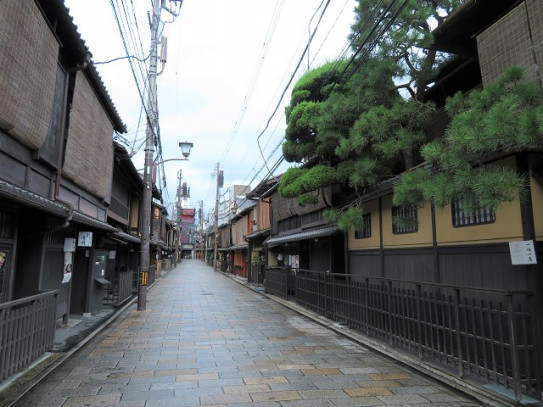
{"x":365,"y":232}
{"x":404,"y":220}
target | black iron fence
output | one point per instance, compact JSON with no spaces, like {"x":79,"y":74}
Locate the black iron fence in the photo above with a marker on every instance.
{"x":482,"y":332}
{"x":120,"y":290}
{"x":27,"y":329}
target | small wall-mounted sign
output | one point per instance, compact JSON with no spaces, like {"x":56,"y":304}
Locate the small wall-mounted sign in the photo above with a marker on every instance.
{"x":84,"y":239}
{"x":522,"y":253}
{"x":69,"y":244}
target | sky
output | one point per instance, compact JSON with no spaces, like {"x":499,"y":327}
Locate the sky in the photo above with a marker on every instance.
{"x":227,"y":64}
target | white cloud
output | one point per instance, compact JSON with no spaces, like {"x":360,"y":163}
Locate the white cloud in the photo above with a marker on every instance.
{"x":214,"y":48}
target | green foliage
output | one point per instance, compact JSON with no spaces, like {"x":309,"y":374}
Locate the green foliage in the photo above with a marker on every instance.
{"x":372,"y":127}
{"x":408,"y":41}
{"x":351,"y":218}
{"x":502,"y":117}
{"x":299,"y":181}
{"x":307,"y":199}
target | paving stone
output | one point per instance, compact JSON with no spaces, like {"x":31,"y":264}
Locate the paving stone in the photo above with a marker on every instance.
{"x":402,"y":400}
{"x":367,"y":392}
{"x":101,"y":399}
{"x":293,"y":386}
{"x":225,"y":399}
{"x":232,"y":348}
{"x":308,"y":403}
{"x":388,"y":376}
{"x":185,"y":402}
{"x":265,"y":380}
{"x":221,"y":382}
{"x":358,"y":402}
{"x":415,"y":390}
{"x":321,"y":372}
{"x":276,"y":396}
{"x":323,"y":394}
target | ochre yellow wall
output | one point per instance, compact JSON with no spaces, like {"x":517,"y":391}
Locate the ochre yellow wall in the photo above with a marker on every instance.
{"x":507,"y":227}
{"x":371,"y":242}
{"x":423,"y":237}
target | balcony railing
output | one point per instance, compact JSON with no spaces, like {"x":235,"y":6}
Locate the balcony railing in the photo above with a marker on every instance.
{"x":27,"y":329}
{"x":479,"y":332}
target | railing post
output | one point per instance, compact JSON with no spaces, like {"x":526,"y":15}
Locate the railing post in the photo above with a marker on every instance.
{"x":419,"y":319}
{"x":326,"y":276}
{"x":32,"y":326}
{"x":366,"y":306}
{"x":2,"y":342}
{"x":513,"y":344}
{"x":458,"y":333}
{"x":389,"y":312}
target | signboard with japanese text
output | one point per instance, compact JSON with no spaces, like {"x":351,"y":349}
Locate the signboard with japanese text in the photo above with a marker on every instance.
{"x":522,"y":253}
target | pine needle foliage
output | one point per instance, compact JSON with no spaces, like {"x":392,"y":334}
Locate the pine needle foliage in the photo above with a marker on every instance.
{"x":357,"y":125}
{"x":503,"y":117}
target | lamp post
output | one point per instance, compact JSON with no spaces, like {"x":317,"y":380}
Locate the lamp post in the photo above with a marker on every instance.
{"x":146,"y":219}
{"x":150,"y":137}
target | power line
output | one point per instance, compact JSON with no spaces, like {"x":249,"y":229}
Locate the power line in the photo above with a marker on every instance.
{"x":291,"y":79}
{"x":252,"y":84}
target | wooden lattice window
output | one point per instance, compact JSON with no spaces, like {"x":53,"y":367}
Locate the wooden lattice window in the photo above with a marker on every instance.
{"x":7,"y":226}
{"x":365,"y":231}
{"x":462,"y":216}
{"x":404,"y":220}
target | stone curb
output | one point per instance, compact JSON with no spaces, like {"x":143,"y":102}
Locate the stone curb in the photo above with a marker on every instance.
{"x":482,"y":395}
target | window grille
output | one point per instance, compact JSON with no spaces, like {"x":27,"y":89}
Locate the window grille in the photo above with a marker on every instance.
{"x":462,"y":217}
{"x":7,"y":229}
{"x":365,"y":232}
{"x":310,"y":218}
{"x":404,"y":220}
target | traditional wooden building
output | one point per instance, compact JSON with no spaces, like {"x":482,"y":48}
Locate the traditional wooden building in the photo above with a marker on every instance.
{"x":300,"y":236}
{"x":56,"y":168}
{"x":240,"y":228}
{"x":224,"y":241}
{"x":259,"y":229}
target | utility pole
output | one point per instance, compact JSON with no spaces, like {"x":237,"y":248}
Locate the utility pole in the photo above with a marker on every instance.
{"x":202,"y":235}
{"x":149,"y":152}
{"x":216,"y":229}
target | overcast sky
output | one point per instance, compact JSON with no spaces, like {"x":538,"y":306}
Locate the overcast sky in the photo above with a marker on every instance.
{"x":215,"y":51}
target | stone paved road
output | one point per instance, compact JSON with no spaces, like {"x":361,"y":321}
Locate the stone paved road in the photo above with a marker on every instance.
{"x":206,"y":340}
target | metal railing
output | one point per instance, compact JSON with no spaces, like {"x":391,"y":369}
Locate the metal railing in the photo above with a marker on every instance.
{"x":481,"y":332}
{"x":27,"y":329}
{"x":121,"y":289}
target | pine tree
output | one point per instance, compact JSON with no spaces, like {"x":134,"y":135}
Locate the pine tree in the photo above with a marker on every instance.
{"x":360,"y":121}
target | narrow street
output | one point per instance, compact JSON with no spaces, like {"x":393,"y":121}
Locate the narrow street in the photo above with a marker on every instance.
{"x":206,"y":340}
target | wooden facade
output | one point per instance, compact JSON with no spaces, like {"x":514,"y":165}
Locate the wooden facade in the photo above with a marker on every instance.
{"x":240,"y":227}
{"x":300,"y":236}
{"x":56,"y":163}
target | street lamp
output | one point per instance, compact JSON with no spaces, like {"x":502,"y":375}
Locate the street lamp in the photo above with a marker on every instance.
{"x":185,"y":148}
{"x":146,"y":219}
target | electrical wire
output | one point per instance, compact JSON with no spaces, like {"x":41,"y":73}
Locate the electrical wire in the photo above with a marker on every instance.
{"x":290,"y":80}
{"x":254,"y":79}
